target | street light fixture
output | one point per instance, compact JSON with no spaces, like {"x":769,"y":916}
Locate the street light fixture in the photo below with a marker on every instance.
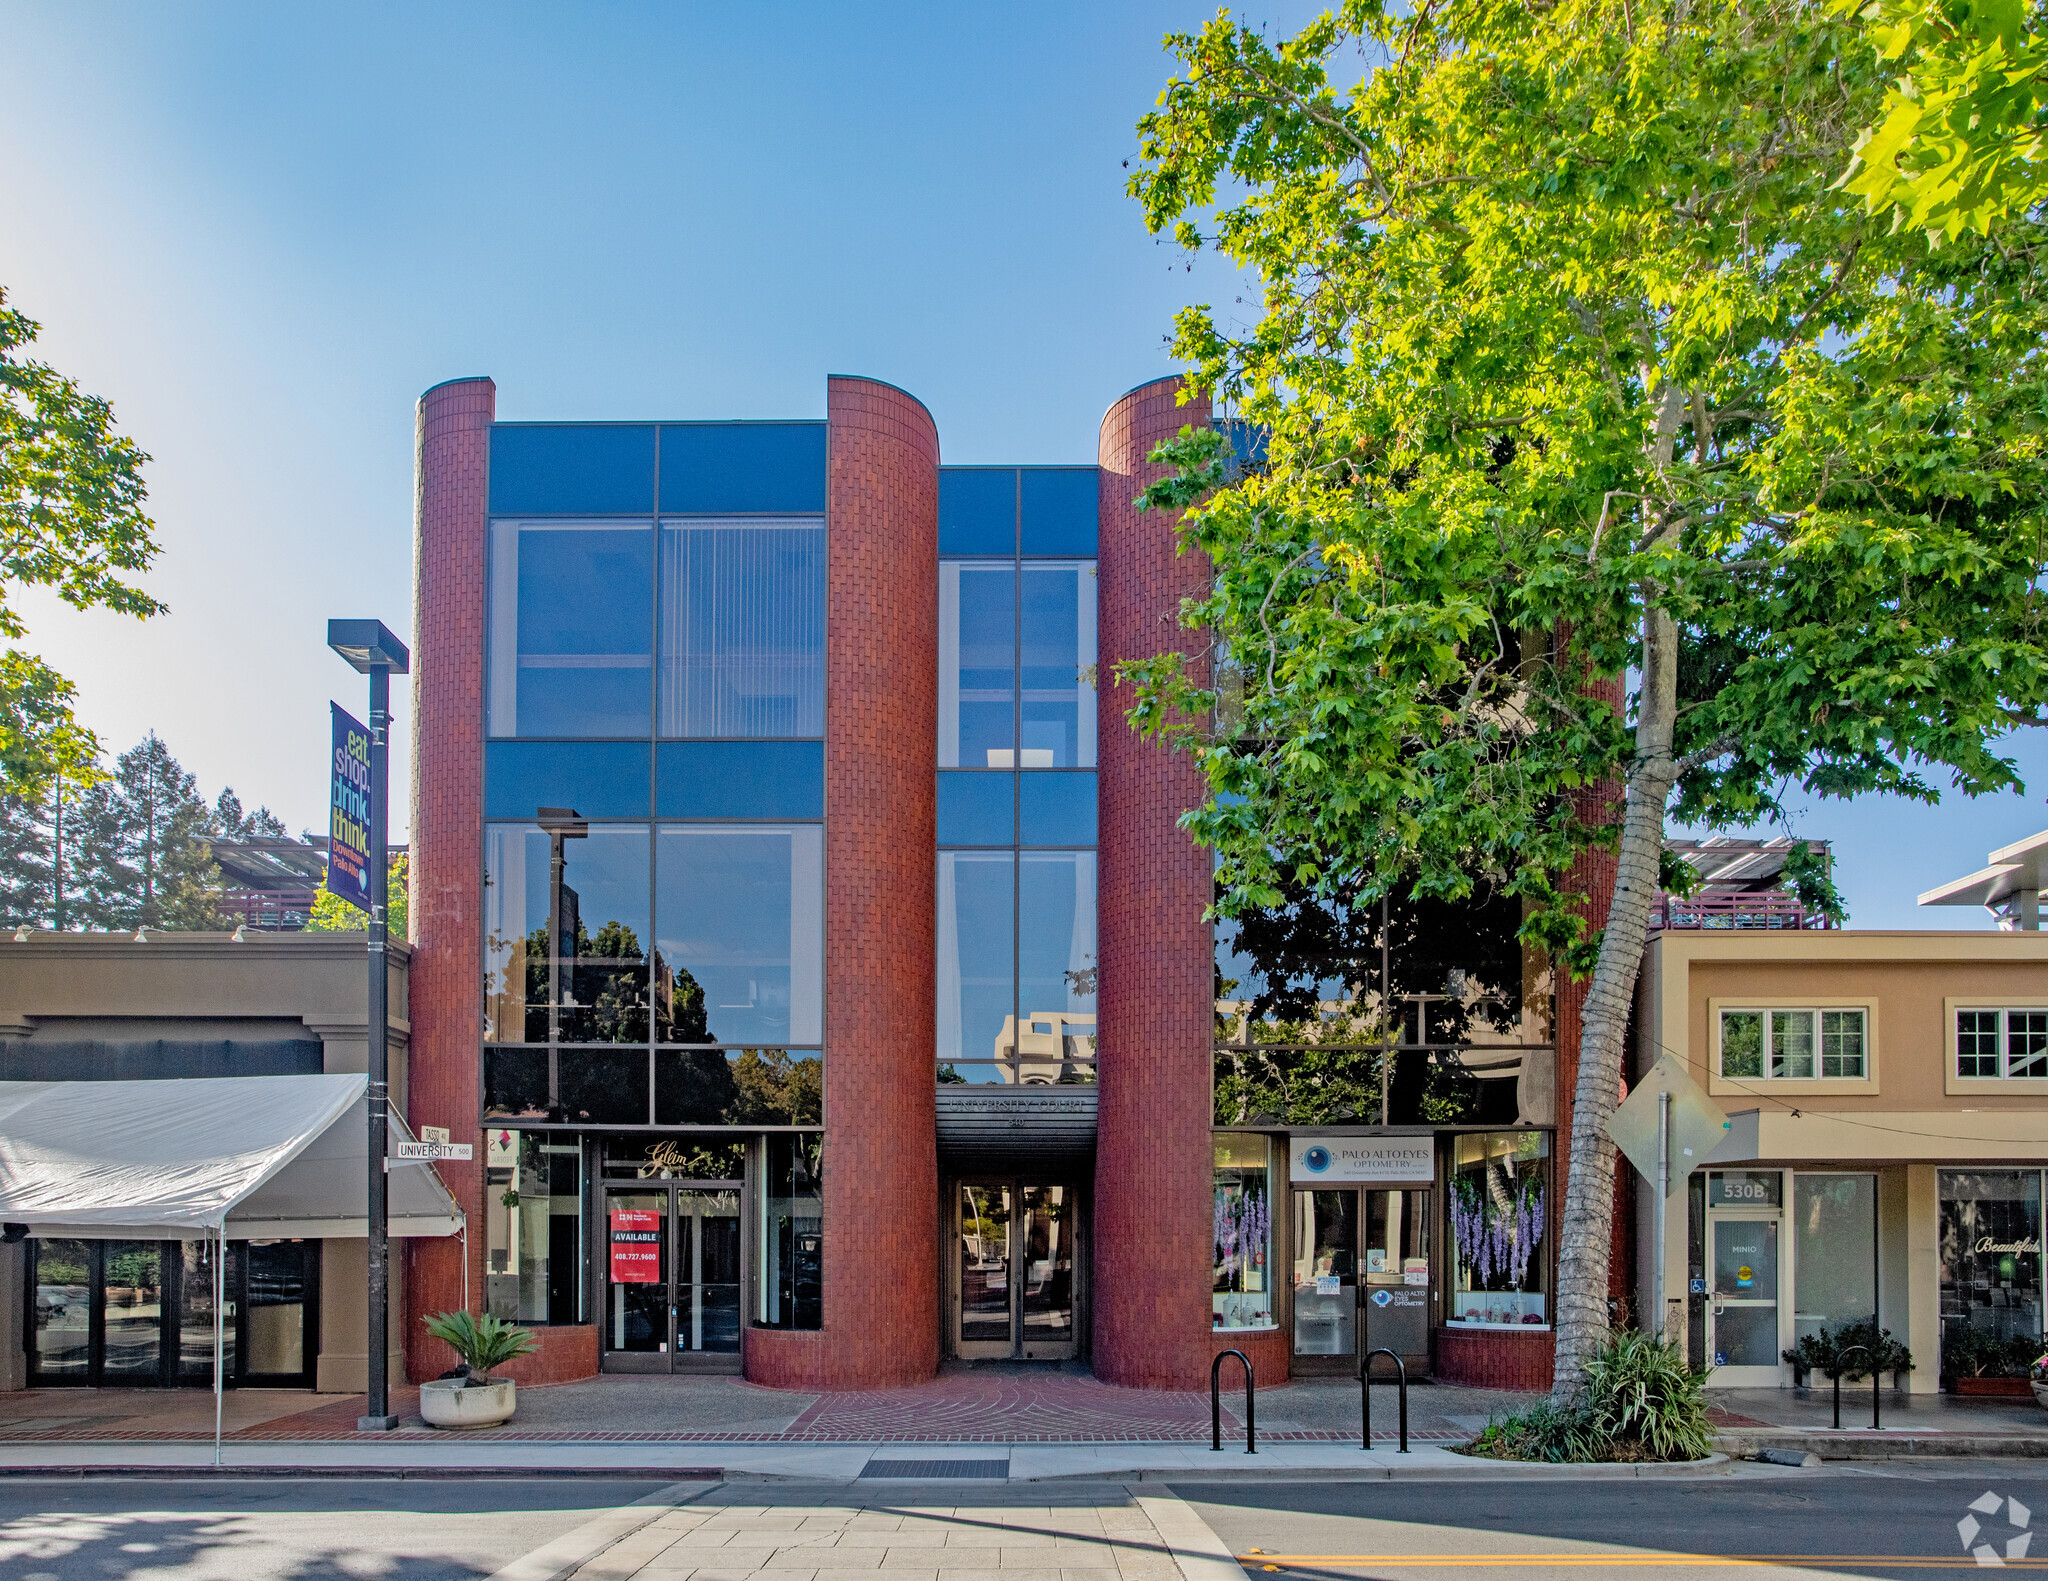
{"x":371,"y":649}
{"x":560,"y":824}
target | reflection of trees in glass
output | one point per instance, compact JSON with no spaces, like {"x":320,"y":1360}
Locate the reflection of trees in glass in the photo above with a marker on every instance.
{"x":775,"y":1087}
{"x":1457,"y":975}
{"x":604,"y":986}
{"x":680,"y":1015}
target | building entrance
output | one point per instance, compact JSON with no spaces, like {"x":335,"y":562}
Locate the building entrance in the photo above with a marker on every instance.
{"x":673,"y":1277}
{"x":1014,"y":1244}
{"x":1362,"y":1277}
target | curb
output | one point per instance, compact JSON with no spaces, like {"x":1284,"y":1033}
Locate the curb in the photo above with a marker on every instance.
{"x":1482,"y":1471}
{"x":662,"y":1474}
{"x":1862,"y":1444}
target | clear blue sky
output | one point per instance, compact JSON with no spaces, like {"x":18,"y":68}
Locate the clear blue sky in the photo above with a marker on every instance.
{"x":262,"y":230}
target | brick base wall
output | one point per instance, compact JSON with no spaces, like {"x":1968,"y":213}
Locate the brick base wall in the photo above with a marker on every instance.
{"x":790,"y":1359}
{"x":1492,"y":1359}
{"x":1269,"y":1357}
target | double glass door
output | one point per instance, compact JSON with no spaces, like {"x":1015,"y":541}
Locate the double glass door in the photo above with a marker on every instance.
{"x":673,"y":1271}
{"x":1363,"y":1277}
{"x":1013,"y":1271}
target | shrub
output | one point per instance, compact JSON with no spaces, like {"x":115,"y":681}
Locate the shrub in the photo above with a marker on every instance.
{"x":1968,"y":1352}
{"x":1822,"y":1352}
{"x":1640,"y":1401}
{"x":481,"y":1343}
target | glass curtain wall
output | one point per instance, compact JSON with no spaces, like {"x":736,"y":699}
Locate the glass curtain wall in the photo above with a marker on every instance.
{"x":718,"y":1025}
{"x":1017,"y":869}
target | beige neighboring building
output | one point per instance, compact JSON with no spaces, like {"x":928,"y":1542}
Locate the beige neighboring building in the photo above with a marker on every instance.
{"x":1887,"y":1095}
{"x":104,"y":1007}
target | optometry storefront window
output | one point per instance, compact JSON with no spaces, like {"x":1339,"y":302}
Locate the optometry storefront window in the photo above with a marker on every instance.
{"x":1501,"y":1222}
{"x":1243,"y":1283}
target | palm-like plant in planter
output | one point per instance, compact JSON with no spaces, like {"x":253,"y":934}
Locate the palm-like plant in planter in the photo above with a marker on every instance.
{"x":482,"y":1343}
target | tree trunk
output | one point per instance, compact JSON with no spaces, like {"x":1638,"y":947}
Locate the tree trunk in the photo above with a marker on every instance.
{"x":1587,"y":1227}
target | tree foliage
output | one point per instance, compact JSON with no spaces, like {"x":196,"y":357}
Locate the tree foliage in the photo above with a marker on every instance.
{"x":332,"y":914}
{"x":1961,"y":141}
{"x":71,"y":520}
{"x":1570,"y":367}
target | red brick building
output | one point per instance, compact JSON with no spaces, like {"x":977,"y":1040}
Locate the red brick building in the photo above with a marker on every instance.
{"x":813,"y":954}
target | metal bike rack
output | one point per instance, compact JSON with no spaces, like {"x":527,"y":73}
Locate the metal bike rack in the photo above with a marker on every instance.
{"x":1365,"y":1394}
{"x":1876,"y":1387}
{"x":1216,"y":1402}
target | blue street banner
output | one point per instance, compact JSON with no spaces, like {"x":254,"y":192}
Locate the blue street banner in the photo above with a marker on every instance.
{"x":348,"y":823}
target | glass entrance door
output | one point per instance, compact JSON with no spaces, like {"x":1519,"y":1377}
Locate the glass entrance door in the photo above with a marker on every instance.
{"x":1013,"y":1271}
{"x":1742,"y":1313}
{"x":674,"y":1277}
{"x":1339,"y":1233}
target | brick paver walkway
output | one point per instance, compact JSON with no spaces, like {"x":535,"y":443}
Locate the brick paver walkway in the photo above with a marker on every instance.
{"x":846,"y":1535}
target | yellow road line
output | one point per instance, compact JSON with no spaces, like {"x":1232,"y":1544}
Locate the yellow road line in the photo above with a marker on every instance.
{"x":1463,"y":1561}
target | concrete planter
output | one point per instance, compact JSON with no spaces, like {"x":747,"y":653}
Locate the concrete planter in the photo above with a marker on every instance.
{"x":446,"y":1403}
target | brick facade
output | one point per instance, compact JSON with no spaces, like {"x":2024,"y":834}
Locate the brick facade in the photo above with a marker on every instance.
{"x":881,"y":727}
{"x":1493,"y":1360}
{"x":1152,"y":1171}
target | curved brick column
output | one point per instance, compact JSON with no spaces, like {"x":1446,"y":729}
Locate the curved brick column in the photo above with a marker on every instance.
{"x":451,"y":493}
{"x":881,"y":726}
{"x":1152,"y":1165}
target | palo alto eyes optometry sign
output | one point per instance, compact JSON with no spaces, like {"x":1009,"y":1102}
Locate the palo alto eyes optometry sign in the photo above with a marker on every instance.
{"x":1369,"y":1160}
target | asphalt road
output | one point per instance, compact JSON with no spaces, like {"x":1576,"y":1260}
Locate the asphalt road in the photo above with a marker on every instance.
{"x":262,"y":1529}
{"x":1845,"y":1520}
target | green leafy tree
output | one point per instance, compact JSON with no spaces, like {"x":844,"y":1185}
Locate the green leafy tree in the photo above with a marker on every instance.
{"x":231,"y":822}
{"x":1961,"y":140}
{"x":1596,"y":462}
{"x":144,"y":852}
{"x":332,"y":914}
{"x":71,"y":520}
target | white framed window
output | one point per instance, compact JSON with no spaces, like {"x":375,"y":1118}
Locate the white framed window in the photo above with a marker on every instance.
{"x":1797,"y":1044}
{"x":2002,"y":1044}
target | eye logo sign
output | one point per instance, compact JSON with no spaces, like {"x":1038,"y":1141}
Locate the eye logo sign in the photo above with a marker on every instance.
{"x":1316,"y":1160}
{"x":2017,"y":1519}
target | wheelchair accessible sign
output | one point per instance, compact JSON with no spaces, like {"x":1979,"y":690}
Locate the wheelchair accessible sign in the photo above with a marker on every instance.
{"x":1369,"y":1160}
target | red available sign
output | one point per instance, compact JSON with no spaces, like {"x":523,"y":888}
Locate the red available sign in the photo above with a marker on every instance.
{"x":636,"y":1246}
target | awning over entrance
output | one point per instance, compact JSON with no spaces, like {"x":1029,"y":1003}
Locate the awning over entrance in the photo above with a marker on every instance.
{"x":267,"y":1157}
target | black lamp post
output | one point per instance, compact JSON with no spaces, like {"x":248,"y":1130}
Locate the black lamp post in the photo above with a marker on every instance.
{"x":370,"y":648}
{"x":560,"y":824}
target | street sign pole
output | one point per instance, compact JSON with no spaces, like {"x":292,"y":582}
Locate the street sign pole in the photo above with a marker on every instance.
{"x":1663,"y":1192}
{"x":372,"y":649}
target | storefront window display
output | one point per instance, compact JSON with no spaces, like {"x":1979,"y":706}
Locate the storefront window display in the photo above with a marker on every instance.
{"x":533,"y":1208}
{"x":1243,"y":1285}
{"x":1990,"y":1257}
{"x":1500,"y":1218}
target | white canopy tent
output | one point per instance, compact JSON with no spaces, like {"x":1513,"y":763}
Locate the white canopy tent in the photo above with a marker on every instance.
{"x":228,"y":1158}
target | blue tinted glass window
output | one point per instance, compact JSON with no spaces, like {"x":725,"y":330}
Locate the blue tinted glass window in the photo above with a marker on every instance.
{"x":977,"y":665}
{"x":977,"y":931}
{"x":572,"y":469}
{"x":978,"y":510}
{"x":1057,"y":809}
{"x":571,"y":627}
{"x":1056,"y":947}
{"x":601,"y":959}
{"x":978,"y":809}
{"x":1058,"y":641}
{"x":711,"y":468}
{"x":743,"y":628}
{"x":1060,"y":510}
{"x":739,"y":954}
{"x":739,"y":779}
{"x":600,"y":779}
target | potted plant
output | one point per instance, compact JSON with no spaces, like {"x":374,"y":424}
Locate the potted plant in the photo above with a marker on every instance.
{"x":1980,"y":1363}
{"x":1824,"y":1352}
{"x":474,"y":1398}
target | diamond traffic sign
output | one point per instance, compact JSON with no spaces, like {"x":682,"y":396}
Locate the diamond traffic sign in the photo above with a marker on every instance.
{"x":1697,"y":1122}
